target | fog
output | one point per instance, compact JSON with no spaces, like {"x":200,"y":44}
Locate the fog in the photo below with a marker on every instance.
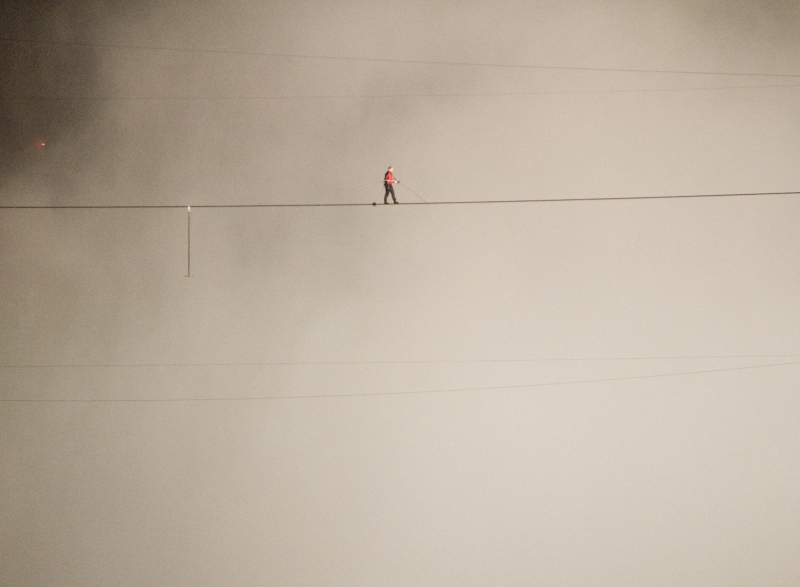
{"x":587,"y":412}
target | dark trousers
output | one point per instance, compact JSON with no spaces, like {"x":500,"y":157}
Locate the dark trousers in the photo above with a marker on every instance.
{"x":389,"y":190}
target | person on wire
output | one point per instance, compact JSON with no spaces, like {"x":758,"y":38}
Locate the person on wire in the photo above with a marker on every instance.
{"x":388,"y":183}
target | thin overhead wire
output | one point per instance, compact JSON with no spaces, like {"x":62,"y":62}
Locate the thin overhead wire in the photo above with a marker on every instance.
{"x":396,"y":362}
{"x":96,"y":207}
{"x":390,"y":96}
{"x":603,"y":199}
{"x":397,"y":61}
{"x":398,"y":393}
{"x":362,"y":204}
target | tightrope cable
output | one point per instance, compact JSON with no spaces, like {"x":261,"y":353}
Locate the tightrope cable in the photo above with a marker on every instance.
{"x":423,"y":203}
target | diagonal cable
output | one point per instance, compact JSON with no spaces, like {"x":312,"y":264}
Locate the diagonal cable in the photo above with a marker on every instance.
{"x":411,"y":392}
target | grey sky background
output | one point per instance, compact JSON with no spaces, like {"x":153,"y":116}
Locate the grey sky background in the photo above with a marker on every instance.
{"x":677,"y":480}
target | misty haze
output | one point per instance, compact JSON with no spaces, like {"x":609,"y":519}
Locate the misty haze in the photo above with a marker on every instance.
{"x":494,"y":382}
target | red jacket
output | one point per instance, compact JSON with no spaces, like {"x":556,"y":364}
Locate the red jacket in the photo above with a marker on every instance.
{"x":389,"y":178}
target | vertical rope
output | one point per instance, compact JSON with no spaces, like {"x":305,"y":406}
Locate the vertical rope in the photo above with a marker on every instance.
{"x":188,"y":241}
